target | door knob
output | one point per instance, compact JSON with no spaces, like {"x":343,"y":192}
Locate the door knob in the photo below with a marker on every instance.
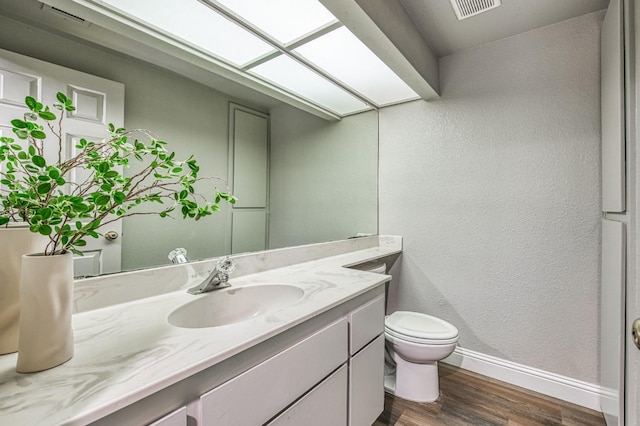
{"x":635,"y":332}
{"x":111,"y":235}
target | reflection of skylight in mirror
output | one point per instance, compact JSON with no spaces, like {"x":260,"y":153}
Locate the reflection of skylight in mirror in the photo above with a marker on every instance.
{"x":284,"y":20}
{"x":344,"y":56}
{"x":327,"y":66}
{"x":288,"y":73}
{"x":198,"y":25}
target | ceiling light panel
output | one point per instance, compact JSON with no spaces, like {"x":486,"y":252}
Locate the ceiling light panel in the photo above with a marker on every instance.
{"x":284,"y":20}
{"x":344,"y":56}
{"x":288,"y":73}
{"x":197,"y":25}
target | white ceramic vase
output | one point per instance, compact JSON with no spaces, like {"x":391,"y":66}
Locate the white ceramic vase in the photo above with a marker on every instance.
{"x":14,"y":242}
{"x":46,"y":299}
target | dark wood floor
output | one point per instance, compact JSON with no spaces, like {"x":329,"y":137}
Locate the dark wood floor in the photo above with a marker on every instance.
{"x":467,"y":398}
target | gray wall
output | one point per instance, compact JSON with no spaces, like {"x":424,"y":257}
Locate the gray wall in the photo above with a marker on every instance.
{"x":191,"y":117}
{"x":496,"y":190}
{"x":323,"y":177}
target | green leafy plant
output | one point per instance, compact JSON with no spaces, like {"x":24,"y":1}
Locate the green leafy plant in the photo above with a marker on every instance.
{"x":37,"y":184}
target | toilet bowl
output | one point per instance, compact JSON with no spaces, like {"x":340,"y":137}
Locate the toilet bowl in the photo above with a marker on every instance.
{"x":416,"y":342}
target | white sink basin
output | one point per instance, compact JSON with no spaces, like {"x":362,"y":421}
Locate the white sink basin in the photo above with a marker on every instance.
{"x":233,"y":305}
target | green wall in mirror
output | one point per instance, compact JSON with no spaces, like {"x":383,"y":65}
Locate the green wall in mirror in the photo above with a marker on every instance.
{"x":323,"y":175}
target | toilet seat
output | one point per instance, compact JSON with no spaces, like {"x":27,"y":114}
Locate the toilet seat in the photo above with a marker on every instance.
{"x":420,"y":328}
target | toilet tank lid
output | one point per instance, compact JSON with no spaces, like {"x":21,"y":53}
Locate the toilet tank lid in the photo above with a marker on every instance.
{"x":378,"y":268}
{"x":375,"y":266}
{"x":415,"y":324}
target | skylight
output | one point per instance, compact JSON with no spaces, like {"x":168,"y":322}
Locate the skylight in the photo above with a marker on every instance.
{"x":292,"y":75}
{"x":194,"y":23}
{"x":298,"y":47}
{"x":345,"y":57}
{"x":284,"y":20}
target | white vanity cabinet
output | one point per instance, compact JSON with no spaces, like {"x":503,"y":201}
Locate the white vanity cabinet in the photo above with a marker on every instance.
{"x":366,"y":363}
{"x":326,"y":370}
{"x":272,"y":385}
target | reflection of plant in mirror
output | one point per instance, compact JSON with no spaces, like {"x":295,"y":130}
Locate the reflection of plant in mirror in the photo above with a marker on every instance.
{"x":37,"y":186}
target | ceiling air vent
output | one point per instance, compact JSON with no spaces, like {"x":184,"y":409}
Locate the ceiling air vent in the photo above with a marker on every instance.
{"x":65,"y":14}
{"x":467,"y":8}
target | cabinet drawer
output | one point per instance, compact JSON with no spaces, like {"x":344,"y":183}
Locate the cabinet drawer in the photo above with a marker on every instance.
{"x":325,"y":405}
{"x":258,"y":394}
{"x":366,"y":380}
{"x":366,"y":323}
{"x":176,"y":418}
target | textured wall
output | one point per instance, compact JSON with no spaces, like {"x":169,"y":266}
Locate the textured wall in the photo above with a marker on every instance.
{"x":496,"y":190}
{"x":324,"y":177}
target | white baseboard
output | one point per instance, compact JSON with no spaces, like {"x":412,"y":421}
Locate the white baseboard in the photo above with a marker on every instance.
{"x":567,"y":389}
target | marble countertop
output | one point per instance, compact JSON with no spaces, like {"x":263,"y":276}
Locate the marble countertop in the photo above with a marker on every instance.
{"x":128,"y":351}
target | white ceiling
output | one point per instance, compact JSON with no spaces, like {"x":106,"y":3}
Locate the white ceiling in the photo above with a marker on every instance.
{"x":445,"y":35}
{"x":434,"y":19}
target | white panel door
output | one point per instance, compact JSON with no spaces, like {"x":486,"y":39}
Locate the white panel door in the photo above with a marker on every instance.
{"x":250,"y":156}
{"x":248,"y":179}
{"x":98,"y":102}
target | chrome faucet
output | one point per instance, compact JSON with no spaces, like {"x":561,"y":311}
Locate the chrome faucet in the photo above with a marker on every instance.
{"x":178,"y":255}
{"x":218,"y":278}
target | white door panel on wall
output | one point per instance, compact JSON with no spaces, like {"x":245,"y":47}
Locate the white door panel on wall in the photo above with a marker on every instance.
{"x":612,"y":110}
{"x":98,"y":102}
{"x":250,"y":159}
{"x":249,"y":230}
{"x":248,"y":179}
{"x":612,"y":302}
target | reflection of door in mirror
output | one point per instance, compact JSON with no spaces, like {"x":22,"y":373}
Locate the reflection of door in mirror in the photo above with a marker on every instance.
{"x":248,"y":179}
{"x":98,"y":102}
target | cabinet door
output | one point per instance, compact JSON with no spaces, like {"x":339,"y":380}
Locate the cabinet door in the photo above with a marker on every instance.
{"x":176,"y":418}
{"x":366,"y":384}
{"x":258,"y":394}
{"x":366,"y":323}
{"x":325,"y":405}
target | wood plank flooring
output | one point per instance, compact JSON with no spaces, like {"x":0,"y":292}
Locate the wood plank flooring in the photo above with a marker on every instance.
{"x":467,"y":398}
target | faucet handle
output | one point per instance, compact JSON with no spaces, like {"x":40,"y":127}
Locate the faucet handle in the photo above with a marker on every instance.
{"x":178,"y":255}
{"x":226,"y":265}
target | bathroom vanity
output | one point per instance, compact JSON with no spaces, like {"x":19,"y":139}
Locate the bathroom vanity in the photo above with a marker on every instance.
{"x":315,"y":360}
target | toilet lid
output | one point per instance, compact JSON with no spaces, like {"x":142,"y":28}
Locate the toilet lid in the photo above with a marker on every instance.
{"x":415,"y":325}
{"x":391,"y":335}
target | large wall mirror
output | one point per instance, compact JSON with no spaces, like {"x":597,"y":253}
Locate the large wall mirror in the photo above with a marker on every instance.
{"x":322,"y":175}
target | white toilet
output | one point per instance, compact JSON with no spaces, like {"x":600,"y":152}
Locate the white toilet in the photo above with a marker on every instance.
{"x":415,"y":342}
